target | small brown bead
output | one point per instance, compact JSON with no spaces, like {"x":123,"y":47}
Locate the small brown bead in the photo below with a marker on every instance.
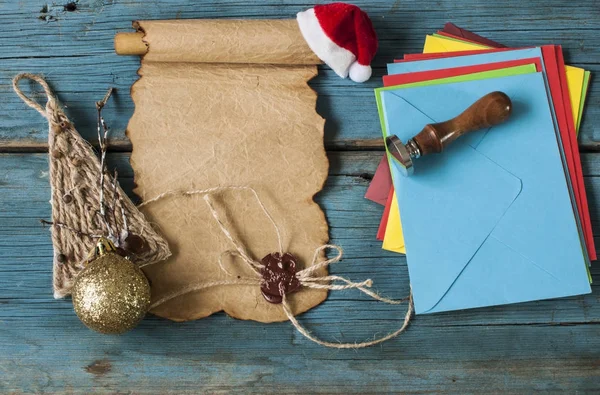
{"x":68,"y":198}
{"x":56,"y":154}
{"x":56,"y":129}
{"x":135,"y":244}
{"x":61,"y":258}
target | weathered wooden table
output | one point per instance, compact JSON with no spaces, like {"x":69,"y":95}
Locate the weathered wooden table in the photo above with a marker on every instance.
{"x":547,"y":345}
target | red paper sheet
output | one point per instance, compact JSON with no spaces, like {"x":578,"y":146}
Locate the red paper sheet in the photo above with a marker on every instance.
{"x":443,"y":33}
{"x":557,"y":81}
{"x":409,"y":57}
{"x":386,"y":211}
{"x":571,"y":134}
{"x":400,"y":79}
{"x":452,"y":30}
{"x":381,"y":183}
{"x":385,"y":216}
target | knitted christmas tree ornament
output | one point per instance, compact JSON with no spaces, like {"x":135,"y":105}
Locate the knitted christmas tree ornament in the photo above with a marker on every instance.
{"x":74,"y":174}
{"x":342,"y":36}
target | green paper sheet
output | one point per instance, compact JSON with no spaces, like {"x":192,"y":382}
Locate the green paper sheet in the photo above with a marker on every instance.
{"x":509,"y":71}
{"x":584,"y":91}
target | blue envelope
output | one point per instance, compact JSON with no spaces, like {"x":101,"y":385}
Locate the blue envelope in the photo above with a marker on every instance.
{"x":490,"y":220}
{"x":480,"y":58}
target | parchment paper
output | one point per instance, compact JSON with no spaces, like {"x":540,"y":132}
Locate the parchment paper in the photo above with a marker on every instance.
{"x":226,"y":103}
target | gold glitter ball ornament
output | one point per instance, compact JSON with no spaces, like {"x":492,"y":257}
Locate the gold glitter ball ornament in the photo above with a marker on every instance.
{"x":111,"y":295}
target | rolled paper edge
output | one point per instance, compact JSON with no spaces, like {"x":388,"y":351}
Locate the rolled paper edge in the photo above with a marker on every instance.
{"x":275,"y":41}
{"x":130,"y":43}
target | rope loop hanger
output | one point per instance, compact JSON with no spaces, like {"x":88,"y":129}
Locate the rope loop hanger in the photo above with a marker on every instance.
{"x":51,"y":103}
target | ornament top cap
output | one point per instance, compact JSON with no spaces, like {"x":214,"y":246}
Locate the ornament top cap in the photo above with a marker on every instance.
{"x":103,"y":246}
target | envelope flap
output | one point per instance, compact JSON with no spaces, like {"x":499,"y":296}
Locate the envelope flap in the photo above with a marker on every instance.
{"x":452,"y":101}
{"x":452,"y":203}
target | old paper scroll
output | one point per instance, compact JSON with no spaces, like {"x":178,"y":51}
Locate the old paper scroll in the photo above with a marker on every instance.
{"x":226,"y":103}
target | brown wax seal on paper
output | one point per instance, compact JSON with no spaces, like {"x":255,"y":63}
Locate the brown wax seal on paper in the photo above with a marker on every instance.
{"x":279,"y":276}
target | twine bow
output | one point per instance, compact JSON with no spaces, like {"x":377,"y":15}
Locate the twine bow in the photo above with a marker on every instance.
{"x":306,"y":277}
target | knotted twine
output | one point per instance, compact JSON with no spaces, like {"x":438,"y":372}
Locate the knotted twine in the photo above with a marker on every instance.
{"x":76,"y":196}
{"x":68,"y":150}
{"x":306,"y":277}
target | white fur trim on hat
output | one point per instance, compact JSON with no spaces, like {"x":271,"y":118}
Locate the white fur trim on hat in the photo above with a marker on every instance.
{"x":359,"y":72}
{"x":336,"y":57}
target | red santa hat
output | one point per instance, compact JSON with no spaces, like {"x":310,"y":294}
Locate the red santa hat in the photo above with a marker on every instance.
{"x":342,"y":36}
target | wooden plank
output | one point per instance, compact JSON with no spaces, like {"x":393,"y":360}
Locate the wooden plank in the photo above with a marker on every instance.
{"x":220,"y":354}
{"x":546,"y":345}
{"x":74,"y":50}
{"x":353,"y":222}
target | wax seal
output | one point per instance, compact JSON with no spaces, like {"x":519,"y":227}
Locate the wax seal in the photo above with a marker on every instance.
{"x":279,"y":276}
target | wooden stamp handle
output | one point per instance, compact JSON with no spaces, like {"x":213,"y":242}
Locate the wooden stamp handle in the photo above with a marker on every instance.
{"x":492,"y":109}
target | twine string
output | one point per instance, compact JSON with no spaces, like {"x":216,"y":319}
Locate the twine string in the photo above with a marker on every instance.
{"x":212,"y":190}
{"x":74,"y":174}
{"x":52,"y":114}
{"x":51,"y":99}
{"x":309,"y":336}
{"x":200,"y":286}
{"x":307,"y":276}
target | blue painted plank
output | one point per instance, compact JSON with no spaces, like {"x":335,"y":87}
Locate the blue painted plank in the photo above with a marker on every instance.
{"x":75,"y":51}
{"x":194,"y":357}
{"x":546,"y":345}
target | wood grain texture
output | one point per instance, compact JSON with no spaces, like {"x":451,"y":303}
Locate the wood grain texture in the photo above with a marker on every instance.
{"x":551,"y":345}
{"x":545,"y":345}
{"x":75,"y":51}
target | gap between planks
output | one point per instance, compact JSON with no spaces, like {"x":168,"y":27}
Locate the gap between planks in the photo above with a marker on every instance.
{"x":20,"y":147}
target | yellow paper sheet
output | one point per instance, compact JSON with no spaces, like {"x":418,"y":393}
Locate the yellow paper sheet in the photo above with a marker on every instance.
{"x":441,"y":45}
{"x":394,"y":238}
{"x":575,"y":75}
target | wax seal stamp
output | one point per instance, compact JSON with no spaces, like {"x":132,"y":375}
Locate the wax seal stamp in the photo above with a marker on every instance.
{"x":492,"y":109}
{"x":279,"y":276}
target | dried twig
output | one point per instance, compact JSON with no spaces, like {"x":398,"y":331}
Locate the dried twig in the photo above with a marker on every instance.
{"x":63,"y":226}
{"x":102,"y":211}
{"x":102,"y":142}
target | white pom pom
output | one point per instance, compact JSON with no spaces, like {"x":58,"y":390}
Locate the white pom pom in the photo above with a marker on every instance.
{"x":359,"y":72}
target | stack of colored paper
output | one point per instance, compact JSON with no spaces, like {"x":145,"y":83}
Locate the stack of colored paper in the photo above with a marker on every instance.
{"x":501,"y":216}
